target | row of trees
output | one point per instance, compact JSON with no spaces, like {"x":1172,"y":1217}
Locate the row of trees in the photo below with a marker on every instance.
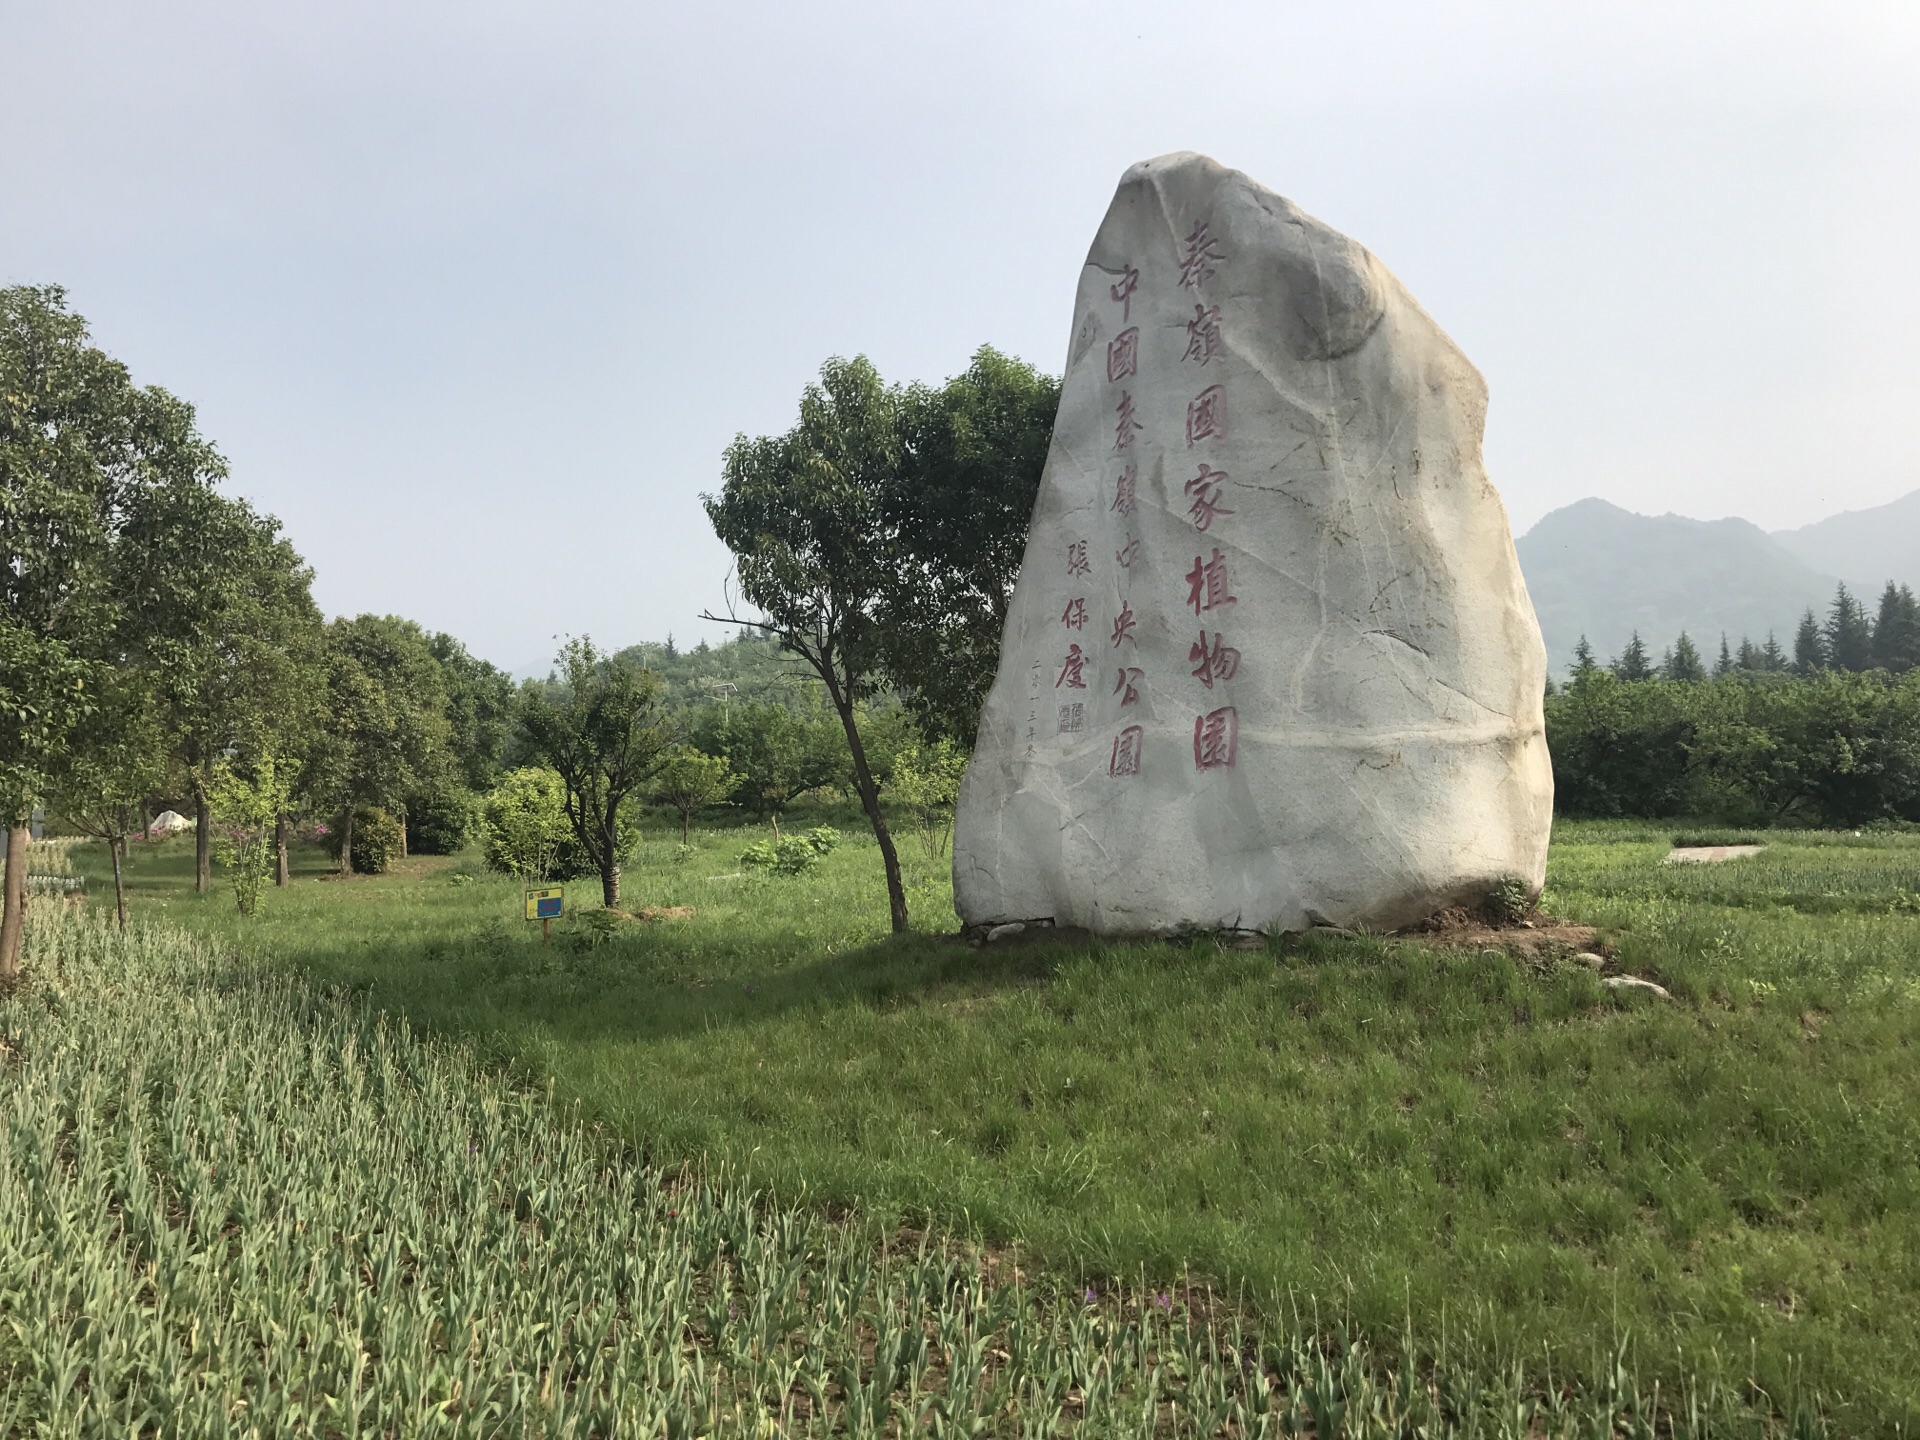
{"x":159,"y":638}
{"x":1829,"y":748}
{"x":1848,"y":640}
{"x":160,"y":641}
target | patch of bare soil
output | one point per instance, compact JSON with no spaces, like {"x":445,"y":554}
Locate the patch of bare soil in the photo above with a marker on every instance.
{"x":1538,"y":937}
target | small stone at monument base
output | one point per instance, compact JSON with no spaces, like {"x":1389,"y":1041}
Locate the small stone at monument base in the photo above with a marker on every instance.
{"x":1634,"y":982}
{"x":1002,"y":932}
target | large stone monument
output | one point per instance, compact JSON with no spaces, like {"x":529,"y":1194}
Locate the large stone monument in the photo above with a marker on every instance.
{"x":1270,"y":662}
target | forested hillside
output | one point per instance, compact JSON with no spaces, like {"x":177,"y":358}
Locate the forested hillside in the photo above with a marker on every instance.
{"x":1596,"y":570}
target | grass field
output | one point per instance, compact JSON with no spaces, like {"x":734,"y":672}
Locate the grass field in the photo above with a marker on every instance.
{"x":1519,"y":1169}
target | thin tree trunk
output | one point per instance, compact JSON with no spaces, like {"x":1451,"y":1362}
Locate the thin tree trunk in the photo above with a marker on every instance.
{"x":202,"y":844}
{"x":610,"y":884}
{"x":686,"y":819}
{"x":346,"y":842}
{"x":13,"y":909}
{"x":117,"y":847}
{"x":870,"y":802}
{"x":773,"y":819}
{"x":280,"y":874}
{"x":403,"y":834}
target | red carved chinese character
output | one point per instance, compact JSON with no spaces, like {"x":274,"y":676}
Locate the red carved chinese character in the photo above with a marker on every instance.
{"x":1123,"y":354}
{"x":1203,"y":334}
{"x":1074,"y":617}
{"x":1123,"y":624}
{"x":1077,"y":558}
{"x":1207,"y":414}
{"x":1126,"y":427}
{"x":1123,"y":491}
{"x":1218,"y":661}
{"x":1216,"y":736}
{"x":1205,"y":489}
{"x":1130,"y":677}
{"x":1122,"y":292}
{"x":1127,"y":554}
{"x":1203,"y":257}
{"x":1126,"y":752}
{"x":1207,"y":584}
{"x":1070,"y":671}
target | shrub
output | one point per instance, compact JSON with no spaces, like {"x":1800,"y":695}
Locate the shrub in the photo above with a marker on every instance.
{"x":440,"y":822}
{"x":791,"y":854}
{"x":376,"y":840}
{"x":927,"y":783}
{"x":246,"y":807}
{"x":1510,"y":900}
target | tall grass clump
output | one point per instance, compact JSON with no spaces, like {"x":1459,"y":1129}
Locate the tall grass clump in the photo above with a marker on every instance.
{"x":233,"y":1202}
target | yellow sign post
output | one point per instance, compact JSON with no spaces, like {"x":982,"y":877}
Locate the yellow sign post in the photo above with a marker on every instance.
{"x":545,"y":906}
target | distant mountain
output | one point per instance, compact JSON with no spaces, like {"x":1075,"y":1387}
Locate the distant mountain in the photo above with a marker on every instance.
{"x":1597,"y":570}
{"x":1865,"y":548}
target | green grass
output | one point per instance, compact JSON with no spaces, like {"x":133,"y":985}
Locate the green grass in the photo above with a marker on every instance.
{"x":1509,"y":1159}
{"x":236,"y":1202}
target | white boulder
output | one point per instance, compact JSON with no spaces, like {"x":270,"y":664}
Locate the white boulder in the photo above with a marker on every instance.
{"x":1270,"y":662}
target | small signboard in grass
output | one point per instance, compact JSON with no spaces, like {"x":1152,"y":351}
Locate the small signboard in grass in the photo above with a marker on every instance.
{"x":545,"y":906}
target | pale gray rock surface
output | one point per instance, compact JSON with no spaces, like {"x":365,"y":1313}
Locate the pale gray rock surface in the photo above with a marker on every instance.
{"x":1270,"y":662}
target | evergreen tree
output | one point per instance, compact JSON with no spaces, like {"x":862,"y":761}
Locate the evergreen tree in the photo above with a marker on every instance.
{"x":1583,"y":662}
{"x":1772,"y":658}
{"x":1752,"y":658}
{"x":1723,"y":667}
{"x":1809,"y":646}
{"x":1896,"y":633}
{"x":1683,"y":663}
{"x":1633,"y":663}
{"x":1848,"y":635}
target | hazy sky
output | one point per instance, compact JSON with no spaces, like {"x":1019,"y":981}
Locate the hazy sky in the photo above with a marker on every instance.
{"x":473,"y":295}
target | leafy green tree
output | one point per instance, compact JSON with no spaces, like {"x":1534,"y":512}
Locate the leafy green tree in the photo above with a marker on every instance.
{"x":228,"y":625}
{"x":805,"y":516}
{"x":1848,"y":633}
{"x":1683,"y":662}
{"x":955,"y":511}
{"x":69,"y":460}
{"x":118,"y":758}
{"x":599,"y":729}
{"x":776,"y":750}
{"x":480,"y":709}
{"x":112,"y":556}
{"x":1809,"y":647}
{"x":1633,"y":663}
{"x":1896,"y":630}
{"x":690,"y":781}
{"x":524,"y":830}
{"x":385,"y":732}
